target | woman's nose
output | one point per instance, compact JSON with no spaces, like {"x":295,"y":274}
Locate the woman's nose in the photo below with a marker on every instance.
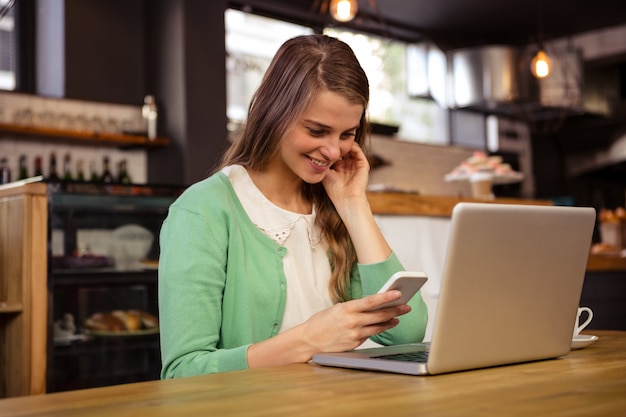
{"x":331,"y":149}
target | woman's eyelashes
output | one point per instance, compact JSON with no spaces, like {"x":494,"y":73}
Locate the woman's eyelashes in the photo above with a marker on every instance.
{"x":318,"y":133}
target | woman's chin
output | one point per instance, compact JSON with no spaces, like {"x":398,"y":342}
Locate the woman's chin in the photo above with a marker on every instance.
{"x":313,"y":178}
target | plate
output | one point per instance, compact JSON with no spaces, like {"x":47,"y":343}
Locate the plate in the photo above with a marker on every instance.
{"x":583,"y":340}
{"x":111,"y":333}
{"x":66,"y":340}
{"x":510,"y":178}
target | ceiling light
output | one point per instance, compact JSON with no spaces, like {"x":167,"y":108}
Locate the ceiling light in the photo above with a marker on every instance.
{"x":343,"y":10}
{"x":541,"y":64}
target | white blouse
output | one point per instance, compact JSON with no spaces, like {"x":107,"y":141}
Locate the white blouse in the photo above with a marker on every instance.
{"x":306,"y":264}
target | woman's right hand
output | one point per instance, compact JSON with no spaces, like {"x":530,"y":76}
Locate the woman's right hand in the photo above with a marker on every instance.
{"x":347,"y":325}
{"x":341,"y":327}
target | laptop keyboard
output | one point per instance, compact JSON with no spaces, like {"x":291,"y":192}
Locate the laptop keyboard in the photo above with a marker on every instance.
{"x":419,"y":356}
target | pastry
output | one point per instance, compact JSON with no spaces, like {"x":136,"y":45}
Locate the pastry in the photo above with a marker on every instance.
{"x":122,"y":321}
{"x":131,"y":319}
{"x":105,"y":322}
{"x":149,"y":321}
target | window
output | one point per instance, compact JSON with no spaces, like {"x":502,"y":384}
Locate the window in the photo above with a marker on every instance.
{"x":252,"y":41}
{"x":7,"y":45}
{"x":385,"y":63}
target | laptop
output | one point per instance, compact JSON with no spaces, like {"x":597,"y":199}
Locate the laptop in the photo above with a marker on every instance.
{"x":510,"y":291}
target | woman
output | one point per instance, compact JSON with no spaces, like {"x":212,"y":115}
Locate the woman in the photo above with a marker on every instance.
{"x":277,"y":255}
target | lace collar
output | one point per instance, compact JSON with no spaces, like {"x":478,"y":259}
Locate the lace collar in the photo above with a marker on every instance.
{"x":276,"y":222}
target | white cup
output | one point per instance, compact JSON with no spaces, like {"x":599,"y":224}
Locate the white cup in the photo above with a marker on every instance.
{"x":481,"y":184}
{"x":578,"y":326}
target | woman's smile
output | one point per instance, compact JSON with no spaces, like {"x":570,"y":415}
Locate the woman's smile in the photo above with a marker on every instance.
{"x":322,"y":165}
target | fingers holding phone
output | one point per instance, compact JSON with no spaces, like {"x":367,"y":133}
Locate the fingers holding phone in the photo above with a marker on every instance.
{"x":408,"y":283}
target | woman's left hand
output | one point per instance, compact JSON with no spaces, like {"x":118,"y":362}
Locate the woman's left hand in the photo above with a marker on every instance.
{"x":348,"y":177}
{"x":346,"y":186}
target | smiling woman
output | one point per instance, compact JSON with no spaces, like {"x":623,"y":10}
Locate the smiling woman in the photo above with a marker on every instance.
{"x":277,"y":256}
{"x":323,"y":136}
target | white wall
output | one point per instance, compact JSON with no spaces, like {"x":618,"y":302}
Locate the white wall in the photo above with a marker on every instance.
{"x":420,"y":244}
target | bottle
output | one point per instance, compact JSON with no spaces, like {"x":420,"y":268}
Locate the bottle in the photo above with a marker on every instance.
{"x":80,"y":173}
{"x":52,"y":169}
{"x":23,"y":171}
{"x":122,"y":176}
{"x":38,"y":170}
{"x":93,"y":173}
{"x":5,"y":171}
{"x":67,"y":168}
{"x":149,"y":113}
{"x":107,"y":177}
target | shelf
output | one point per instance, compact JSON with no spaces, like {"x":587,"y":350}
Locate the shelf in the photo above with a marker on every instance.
{"x":92,"y":138}
{"x":104,"y":276}
{"x":8,"y":307}
{"x":107,"y":345}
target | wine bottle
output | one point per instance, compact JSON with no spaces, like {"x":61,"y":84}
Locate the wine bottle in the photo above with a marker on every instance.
{"x":80,"y":173}
{"x":52,"y":169}
{"x":5,"y":171}
{"x":149,"y":112}
{"x":93,"y":173}
{"x":23,"y":170}
{"x":67,"y":168}
{"x":107,"y":177}
{"x":122,"y":176}
{"x":38,"y":169}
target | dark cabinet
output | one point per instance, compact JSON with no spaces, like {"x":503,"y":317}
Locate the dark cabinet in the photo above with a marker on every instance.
{"x":103,"y":301}
{"x":605,"y":293}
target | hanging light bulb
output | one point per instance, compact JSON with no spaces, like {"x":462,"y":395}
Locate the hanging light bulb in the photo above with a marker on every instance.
{"x":343,"y":10}
{"x":541,"y":64}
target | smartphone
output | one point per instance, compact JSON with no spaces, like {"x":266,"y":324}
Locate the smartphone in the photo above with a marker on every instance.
{"x":407,"y":282}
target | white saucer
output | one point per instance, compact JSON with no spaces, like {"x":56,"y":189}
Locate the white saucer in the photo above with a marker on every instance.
{"x":582,"y":340}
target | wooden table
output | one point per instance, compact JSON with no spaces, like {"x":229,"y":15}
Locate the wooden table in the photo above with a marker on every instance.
{"x":587,"y":382}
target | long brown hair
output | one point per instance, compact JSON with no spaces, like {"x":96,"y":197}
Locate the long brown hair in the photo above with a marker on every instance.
{"x":302,"y":67}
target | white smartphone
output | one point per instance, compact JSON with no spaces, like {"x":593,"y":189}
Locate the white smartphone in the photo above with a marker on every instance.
{"x":407,"y":282}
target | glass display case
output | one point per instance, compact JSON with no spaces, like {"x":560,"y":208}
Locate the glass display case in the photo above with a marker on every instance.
{"x":102,"y":277}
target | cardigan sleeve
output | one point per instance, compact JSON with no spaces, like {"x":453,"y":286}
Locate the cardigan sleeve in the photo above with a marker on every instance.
{"x":192,"y":275}
{"x":367,"y":279}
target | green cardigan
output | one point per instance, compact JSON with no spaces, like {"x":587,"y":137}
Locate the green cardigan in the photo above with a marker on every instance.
{"x":222,"y":285}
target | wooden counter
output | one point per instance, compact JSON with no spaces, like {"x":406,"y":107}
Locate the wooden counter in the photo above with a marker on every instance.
{"x":599,"y":263}
{"x":23,"y":289}
{"x":586,"y":382}
{"x":395,"y":203}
